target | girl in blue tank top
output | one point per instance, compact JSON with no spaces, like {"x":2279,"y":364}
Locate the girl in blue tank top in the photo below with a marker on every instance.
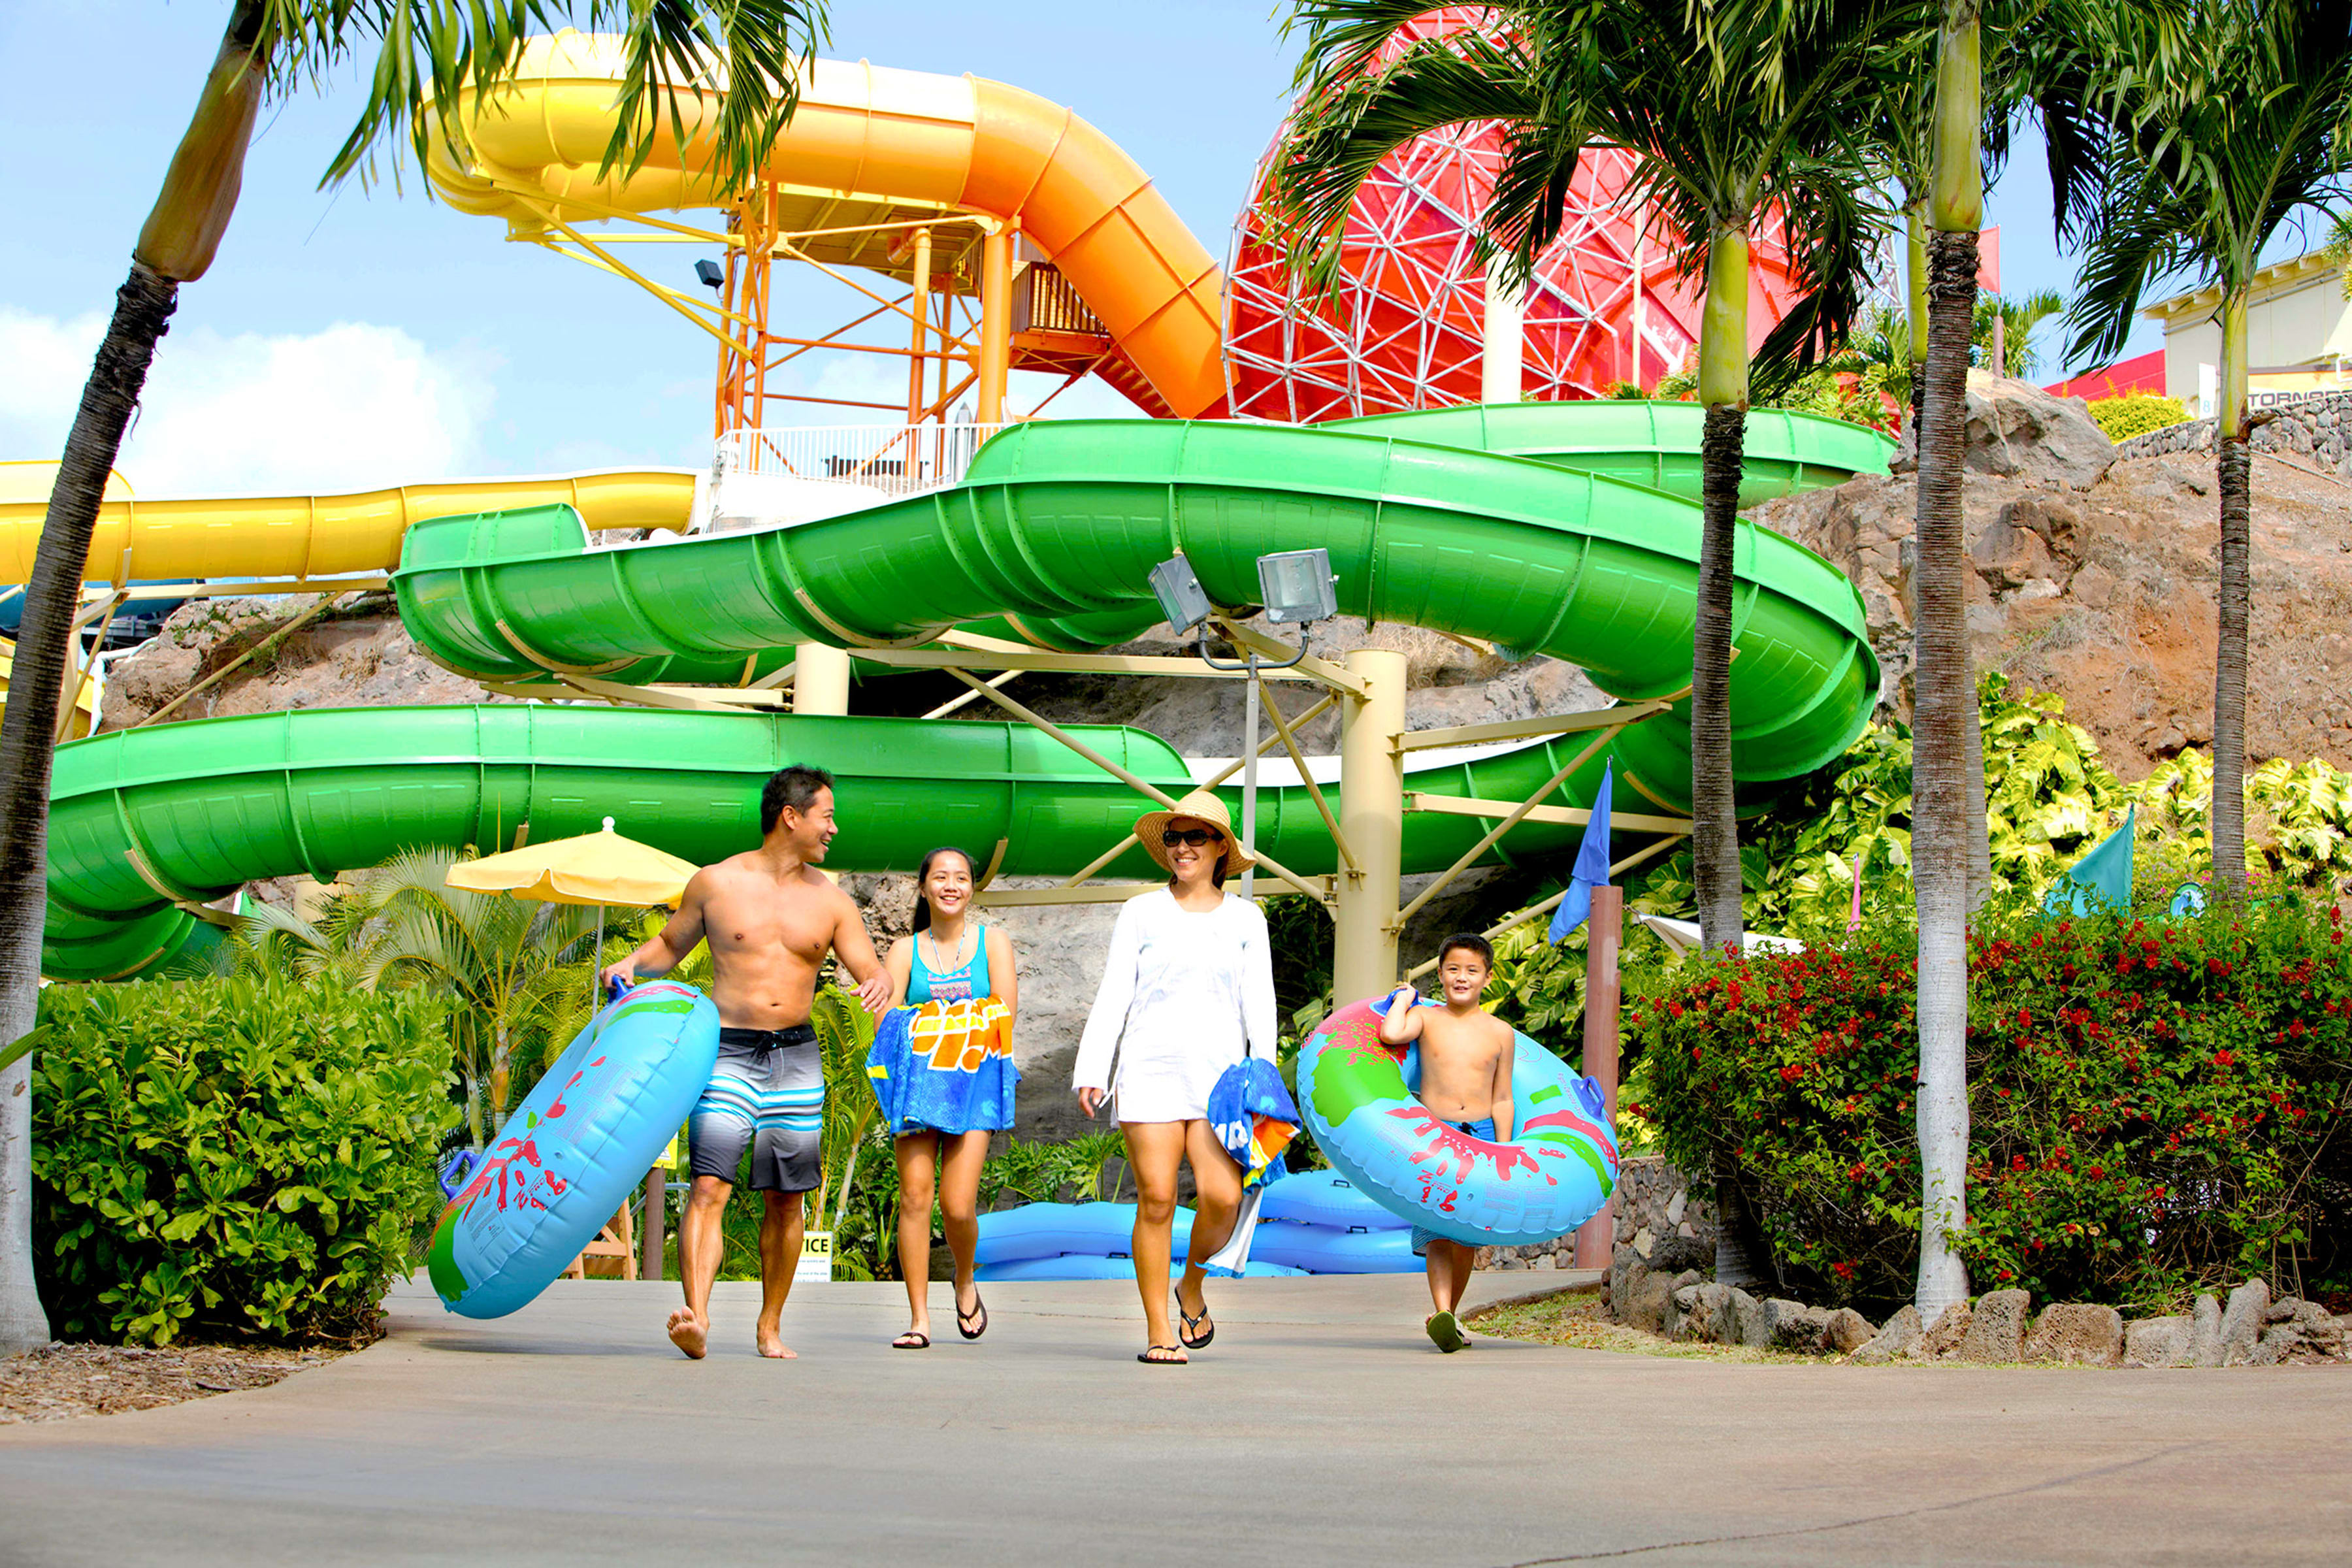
{"x":949,"y":957}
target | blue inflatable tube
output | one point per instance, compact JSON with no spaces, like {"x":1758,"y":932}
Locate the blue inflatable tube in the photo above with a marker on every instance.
{"x":1077,"y":1266}
{"x":568,"y":1157}
{"x":1553,"y":1174}
{"x":1325,"y":1197}
{"x":1055,"y":1230}
{"x":1322,"y":1249}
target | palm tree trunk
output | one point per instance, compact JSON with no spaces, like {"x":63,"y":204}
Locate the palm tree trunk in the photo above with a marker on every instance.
{"x":2234,"y":462}
{"x":1945,"y":696}
{"x":27,"y":741}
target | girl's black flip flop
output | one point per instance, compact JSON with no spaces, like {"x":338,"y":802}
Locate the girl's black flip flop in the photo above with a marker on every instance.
{"x":911,"y":1341}
{"x":979,"y":1311}
{"x":1148,"y":1359}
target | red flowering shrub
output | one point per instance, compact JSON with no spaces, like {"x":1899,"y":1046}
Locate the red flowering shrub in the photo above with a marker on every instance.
{"x":2152,"y":1106}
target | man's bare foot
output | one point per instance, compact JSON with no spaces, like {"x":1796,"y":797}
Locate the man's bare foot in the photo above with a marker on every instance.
{"x":689,"y":1333}
{"x":772,"y":1345}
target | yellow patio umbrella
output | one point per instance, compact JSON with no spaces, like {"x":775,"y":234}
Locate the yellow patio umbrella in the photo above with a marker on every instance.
{"x":597,"y":868}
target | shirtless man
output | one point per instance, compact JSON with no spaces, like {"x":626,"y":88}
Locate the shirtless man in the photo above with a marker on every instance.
{"x":1466,"y":1081}
{"x":770,"y":918}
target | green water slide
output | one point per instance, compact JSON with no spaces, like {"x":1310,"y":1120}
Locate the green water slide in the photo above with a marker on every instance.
{"x":1050,"y":537}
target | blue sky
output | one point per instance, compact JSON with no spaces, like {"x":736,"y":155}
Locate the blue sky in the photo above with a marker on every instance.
{"x":354,"y":337}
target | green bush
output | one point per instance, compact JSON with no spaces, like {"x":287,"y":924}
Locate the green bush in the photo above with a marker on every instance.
{"x":234,"y":1156}
{"x":2125,"y":417}
{"x":2153,"y":1106}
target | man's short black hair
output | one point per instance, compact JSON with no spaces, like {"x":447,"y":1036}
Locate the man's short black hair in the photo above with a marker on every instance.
{"x":795,"y":786}
{"x":1474,"y":941}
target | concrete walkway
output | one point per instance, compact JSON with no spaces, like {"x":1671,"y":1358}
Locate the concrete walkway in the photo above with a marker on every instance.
{"x":1319,"y":1429}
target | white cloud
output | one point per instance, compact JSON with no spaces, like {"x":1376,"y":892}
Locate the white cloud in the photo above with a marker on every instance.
{"x":349,"y":407}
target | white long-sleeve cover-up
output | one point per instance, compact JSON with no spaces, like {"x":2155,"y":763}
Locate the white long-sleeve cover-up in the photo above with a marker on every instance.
{"x":1182,"y":994}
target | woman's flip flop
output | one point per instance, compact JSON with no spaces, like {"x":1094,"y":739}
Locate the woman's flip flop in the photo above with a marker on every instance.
{"x":1152,"y":1356}
{"x":912,"y":1340}
{"x":1191,"y":1322}
{"x":979,"y":1311}
{"x":1444,"y":1332}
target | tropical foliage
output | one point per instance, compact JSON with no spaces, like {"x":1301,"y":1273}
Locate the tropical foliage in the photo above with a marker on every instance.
{"x":2125,"y":417}
{"x":501,"y":961}
{"x":2154,"y":1104}
{"x":419,"y":59}
{"x":2200,"y":168}
{"x":233,"y":1156}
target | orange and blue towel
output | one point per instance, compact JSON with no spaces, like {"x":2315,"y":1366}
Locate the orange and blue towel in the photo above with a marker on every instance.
{"x":945,"y":1067}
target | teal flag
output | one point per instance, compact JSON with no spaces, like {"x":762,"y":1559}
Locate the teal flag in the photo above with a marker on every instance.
{"x":2101,"y":881}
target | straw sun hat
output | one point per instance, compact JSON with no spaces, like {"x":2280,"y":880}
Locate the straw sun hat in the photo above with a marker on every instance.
{"x":1202,"y":806}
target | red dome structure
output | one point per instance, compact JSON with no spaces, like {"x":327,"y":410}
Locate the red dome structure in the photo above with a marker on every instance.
{"x":1401,"y":326}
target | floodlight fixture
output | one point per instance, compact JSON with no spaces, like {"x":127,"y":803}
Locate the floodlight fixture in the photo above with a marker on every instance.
{"x":1297,"y":587}
{"x":1182,"y":599}
{"x":707,"y":272}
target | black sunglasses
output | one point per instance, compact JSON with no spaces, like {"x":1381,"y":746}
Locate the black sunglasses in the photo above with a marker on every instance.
{"x":1172,"y":837}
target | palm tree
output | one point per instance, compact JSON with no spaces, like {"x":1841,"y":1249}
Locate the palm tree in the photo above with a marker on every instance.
{"x":2201,"y":168}
{"x":1736,"y":113}
{"x":425,"y":54}
{"x":2004,"y":330}
{"x":1943,"y":688}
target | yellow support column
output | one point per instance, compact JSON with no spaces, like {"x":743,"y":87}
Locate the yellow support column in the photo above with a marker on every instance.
{"x":995,"y":323}
{"x":1371,"y":814}
{"x":820,"y":679}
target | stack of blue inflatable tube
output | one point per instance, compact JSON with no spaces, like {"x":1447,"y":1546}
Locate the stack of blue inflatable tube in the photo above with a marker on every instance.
{"x":1312,"y":1223}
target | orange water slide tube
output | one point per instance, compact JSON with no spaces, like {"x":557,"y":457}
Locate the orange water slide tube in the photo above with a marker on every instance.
{"x":531,"y":150}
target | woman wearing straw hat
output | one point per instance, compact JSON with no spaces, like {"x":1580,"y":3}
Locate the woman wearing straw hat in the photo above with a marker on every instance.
{"x":1187,"y":992}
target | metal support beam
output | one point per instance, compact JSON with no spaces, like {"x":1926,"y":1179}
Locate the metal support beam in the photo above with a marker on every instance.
{"x":955,"y":704}
{"x":1526,"y":729}
{"x":1548,"y":905}
{"x":1371,"y":812}
{"x":995,"y":323}
{"x":1310,"y":667}
{"x":1563,"y":816}
{"x":1053,"y":663}
{"x":1596,"y":1238}
{"x":1517,"y":815}
{"x":1284,"y":728}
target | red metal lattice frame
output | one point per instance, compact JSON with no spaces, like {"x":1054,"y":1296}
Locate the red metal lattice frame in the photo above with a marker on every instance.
{"x":1401,"y":326}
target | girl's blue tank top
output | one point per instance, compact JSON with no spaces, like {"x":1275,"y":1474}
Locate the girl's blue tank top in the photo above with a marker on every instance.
{"x":960,"y":983}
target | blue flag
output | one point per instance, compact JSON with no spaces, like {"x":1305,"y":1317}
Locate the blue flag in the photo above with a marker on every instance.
{"x":2101,"y":880}
{"x":1592,"y":868}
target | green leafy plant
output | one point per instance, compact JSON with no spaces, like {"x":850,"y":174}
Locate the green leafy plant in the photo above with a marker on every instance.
{"x":2125,"y":417}
{"x":2155,"y":1106}
{"x":233,"y":1156}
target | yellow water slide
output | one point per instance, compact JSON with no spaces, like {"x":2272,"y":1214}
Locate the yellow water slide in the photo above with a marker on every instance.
{"x":867,"y":133}
{"x":324,"y":536}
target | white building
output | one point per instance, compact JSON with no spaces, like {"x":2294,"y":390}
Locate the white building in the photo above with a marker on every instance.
{"x":2298,"y":336}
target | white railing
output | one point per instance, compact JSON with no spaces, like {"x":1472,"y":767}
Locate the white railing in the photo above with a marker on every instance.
{"x":896,"y":459}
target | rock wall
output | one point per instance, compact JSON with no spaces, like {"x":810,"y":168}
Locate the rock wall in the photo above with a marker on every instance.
{"x":2318,"y":428}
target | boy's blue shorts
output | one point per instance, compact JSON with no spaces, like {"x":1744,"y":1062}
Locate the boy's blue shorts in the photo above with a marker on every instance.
{"x":1484,"y":1130}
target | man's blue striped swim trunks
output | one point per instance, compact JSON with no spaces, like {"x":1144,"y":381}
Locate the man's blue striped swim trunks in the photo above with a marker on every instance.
{"x":766,"y":1095}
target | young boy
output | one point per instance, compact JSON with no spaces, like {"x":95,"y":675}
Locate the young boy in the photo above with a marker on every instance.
{"x":1465,"y":1080}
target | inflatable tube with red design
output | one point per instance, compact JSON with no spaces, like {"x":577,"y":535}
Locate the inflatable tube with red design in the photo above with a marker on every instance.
{"x":1549,"y":1178}
{"x":571,"y":1152}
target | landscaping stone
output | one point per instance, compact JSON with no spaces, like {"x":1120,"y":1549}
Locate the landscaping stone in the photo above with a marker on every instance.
{"x":1793,"y":1326}
{"x":2279,"y":1342}
{"x":1848,"y":1331}
{"x":2205,"y":1334}
{"x":1652,"y":1299}
{"x":1625,"y":1268}
{"x":1748,"y":1313}
{"x":1946,"y":1334}
{"x":1712,"y":1318}
{"x":2157,"y":1341}
{"x":2242,"y":1322}
{"x":2078,"y":1334}
{"x":1901,"y":1333}
{"x":1997,"y":1328}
